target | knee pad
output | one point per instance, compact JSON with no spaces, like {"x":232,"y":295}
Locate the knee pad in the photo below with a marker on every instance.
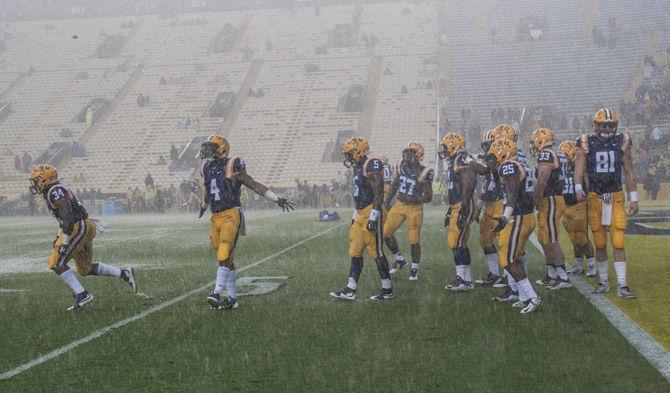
{"x":461,"y":255}
{"x":617,"y":237}
{"x":223,"y":252}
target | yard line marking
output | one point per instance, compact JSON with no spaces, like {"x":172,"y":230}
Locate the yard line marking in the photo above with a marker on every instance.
{"x":655,"y":353}
{"x":101,"y":332}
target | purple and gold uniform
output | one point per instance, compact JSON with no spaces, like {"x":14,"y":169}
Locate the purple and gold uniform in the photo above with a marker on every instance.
{"x":360,"y":238}
{"x":457,"y":237}
{"x":551,"y":206}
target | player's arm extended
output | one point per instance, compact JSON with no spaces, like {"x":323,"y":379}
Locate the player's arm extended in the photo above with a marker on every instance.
{"x":543,"y":173}
{"x":468,"y":180}
{"x":479,"y":167}
{"x":260,"y":189}
{"x":631,"y":180}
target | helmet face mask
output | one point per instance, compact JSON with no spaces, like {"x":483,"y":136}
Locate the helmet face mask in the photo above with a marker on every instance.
{"x":409,"y":156}
{"x":355,"y":150}
{"x":451,"y":144}
{"x":208,"y":150}
{"x":568,"y":148}
{"x":42,"y":176}
{"x":503,"y":149}
{"x":605,"y":123}
{"x":539,"y":139}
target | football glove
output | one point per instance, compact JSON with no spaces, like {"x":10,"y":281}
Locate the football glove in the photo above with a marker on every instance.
{"x":462,"y":220}
{"x":62,"y":253}
{"x":373,"y":220}
{"x":490,"y":160}
{"x":203,"y":209}
{"x":447,"y":217}
{"x":285,"y":204}
{"x":502,"y":223}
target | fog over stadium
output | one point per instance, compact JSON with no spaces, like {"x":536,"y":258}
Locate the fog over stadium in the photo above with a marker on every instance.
{"x":110,"y":92}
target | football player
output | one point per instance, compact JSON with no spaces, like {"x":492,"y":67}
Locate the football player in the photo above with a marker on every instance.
{"x":75,"y":235}
{"x":223,"y":178}
{"x":506,"y":131}
{"x":574,"y":216}
{"x":548,"y":198}
{"x":461,"y":183}
{"x":413,"y":183}
{"x":515,"y":225}
{"x":367,"y":222}
{"x":491,"y":204}
{"x":602,"y":159}
{"x":388,"y":174}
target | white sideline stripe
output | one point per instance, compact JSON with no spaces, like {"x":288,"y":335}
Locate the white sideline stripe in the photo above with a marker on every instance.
{"x":655,"y":353}
{"x":67,"y":348}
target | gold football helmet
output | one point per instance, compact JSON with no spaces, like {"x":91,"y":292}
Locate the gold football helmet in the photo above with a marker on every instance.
{"x":605,"y":123}
{"x":417,"y":150}
{"x":487,"y":139}
{"x":503,"y":149}
{"x":451,"y":144}
{"x":569,"y":148}
{"x":539,"y":139}
{"x":216,"y":147}
{"x":41,"y":177}
{"x":354,"y":149}
{"x":504,"y":131}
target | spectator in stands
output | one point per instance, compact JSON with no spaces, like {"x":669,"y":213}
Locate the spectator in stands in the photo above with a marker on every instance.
{"x":403,"y":89}
{"x":26,"y":162}
{"x":174,"y":153}
{"x":161,"y":160}
{"x":17,"y":162}
{"x":65,"y":133}
{"x":652,"y":183}
{"x":148,"y":181}
{"x":162,"y":81}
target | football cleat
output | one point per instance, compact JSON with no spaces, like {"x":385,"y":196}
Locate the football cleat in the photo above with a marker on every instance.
{"x":508,"y":296}
{"x":519,"y":304}
{"x":560,"y":284}
{"x":80,"y":300}
{"x":602,"y":287}
{"x":399,"y":264}
{"x":345,"y":294}
{"x":414,"y":274}
{"x":384,"y":293}
{"x":546,"y":281}
{"x":501,"y":283}
{"x":592,"y":272}
{"x":532,"y":305}
{"x":489,"y":280}
{"x":577,"y":269}
{"x":129,"y":277}
{"x":229,"y":304}
{"x":214,"y":301}
{"x":459,"y":285}
{"x":625,"y":292}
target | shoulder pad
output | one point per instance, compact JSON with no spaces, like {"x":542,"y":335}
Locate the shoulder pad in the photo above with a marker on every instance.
{"x":583,"y":142}
{"x":56,"y":193}
{"x":427,"y":174}
{"x":235,"y":166}
{"x":511,"y":168}
{"x":371,"y":165}
{"x":398,"y":166}
{"x":547,"y":156}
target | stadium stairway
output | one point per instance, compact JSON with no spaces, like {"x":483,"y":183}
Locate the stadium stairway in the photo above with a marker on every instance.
{"x":242,"y":94}
{"x":638,"y":78}
{"x":368,"y":113}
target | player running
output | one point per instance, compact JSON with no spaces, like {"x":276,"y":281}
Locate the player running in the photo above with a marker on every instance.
{"x":75,"y":235}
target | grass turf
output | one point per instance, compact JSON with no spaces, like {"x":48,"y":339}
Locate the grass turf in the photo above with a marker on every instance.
{"x":295,"y":338}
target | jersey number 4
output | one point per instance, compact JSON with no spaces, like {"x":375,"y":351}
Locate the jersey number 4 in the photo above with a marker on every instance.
{"x":214,"y":190}
{"x":605,"y":162}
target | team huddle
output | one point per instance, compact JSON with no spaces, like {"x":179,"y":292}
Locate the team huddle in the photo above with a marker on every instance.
{"x":578,"y":182}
